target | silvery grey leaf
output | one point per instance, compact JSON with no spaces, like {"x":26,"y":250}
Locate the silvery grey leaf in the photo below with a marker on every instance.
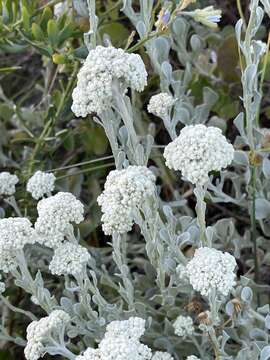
{"x":266,"y":168}
{"x":265,"y":353}
{"x":262,"y":209}
{"x":267,"y":321}
{"x":246,"y":294}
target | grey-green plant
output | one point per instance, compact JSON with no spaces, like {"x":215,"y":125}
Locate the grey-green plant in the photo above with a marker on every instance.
{"x":145,"y":272}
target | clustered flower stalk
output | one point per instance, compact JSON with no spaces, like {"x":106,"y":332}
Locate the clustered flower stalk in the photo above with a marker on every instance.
{"x":251,"y":102}
{"x":98,"y":303}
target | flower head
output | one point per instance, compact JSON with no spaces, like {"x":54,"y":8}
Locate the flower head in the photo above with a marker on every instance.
{"x":160,"y":104}
{"x":183,"y":326}
{"x":89,"y":354}
{"x":192,"y":357}
{"x":7,"y":183}
{"x":133,"y":328}
{"x":15,"y":233}
{"x":124,"y":191}
{"x":207,"y":16}
{"x":68,"y":259}
{"x":103,"y":65}
{"x":2,"y":286}
{"x":40,"y":332}
{"x":161,"y":355}
{"x":123,"y":348}
{"x":40,"y":184}
{"x":55,"y":217}
{"x":121,"y":342}
{"x":211,"y":270}
{"x":197,"y":151}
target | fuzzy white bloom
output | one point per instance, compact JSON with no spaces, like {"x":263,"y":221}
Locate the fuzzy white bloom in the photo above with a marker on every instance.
{"x":197,"y":151}
{"x":7,"y":260}
{"x":211,"y":269}
{"x":15,"y":233}
{"x":34,"y":350}
{"x":68,"y":259}
{"x":40,"y":184}
{"x":161,"y":355}
{"x":124,"y":191}
{"x":193,"y":357}
{"x":121,"y":342}
{"x":160,"y":104}
{"x":183,"y":326}
{"x":89,"y":354}
{"x":133,"y":328}
{"x":7,"y":183}
{"x":55,"y":217}
{"x":2,"y":286}
{"x":103,"y":65}
{"x":123,"y":348}
{"x":38,"y":333}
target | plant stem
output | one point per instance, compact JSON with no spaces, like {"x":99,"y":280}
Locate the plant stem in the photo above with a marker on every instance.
{"x":265,"y":62}
{"x":17,"y":310}
{"x":200,"y":208}
{"x":253,"y":228}
{"x":82,"y":163}
{"x":240,"y":10}
{"x":49,"y":125}
{"x":214,"y":341}
{"x":86,"y":170}
{"x":143,"y":41}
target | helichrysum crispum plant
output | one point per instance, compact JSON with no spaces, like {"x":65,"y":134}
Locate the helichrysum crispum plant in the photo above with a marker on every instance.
{"x":135,"y":180}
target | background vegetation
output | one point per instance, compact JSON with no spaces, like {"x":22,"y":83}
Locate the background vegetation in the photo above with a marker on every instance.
{"x":40,"y":54}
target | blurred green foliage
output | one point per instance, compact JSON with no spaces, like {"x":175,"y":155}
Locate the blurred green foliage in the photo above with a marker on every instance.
{"x":40,"y":55}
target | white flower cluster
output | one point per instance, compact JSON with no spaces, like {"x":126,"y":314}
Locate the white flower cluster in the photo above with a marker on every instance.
{"x":183,"y":326}
{"x":55,"y":217}
{"x":124,"y":191}
{"x":121,"y":342}
{"x":15,"y":233}
{"x":94,"y":92}
{"x":161,"y":355}
{"x":39,"y":332}
{"x":40,"y":184}
{"x":7,"y":183}
{"x":193,"y":357}
{"x":211,"y":269}
{"x":69,"y":259}
{"x":197,"y":151}
{"x":2,"y":286}
{"x":160,"y":104}
{"x":89,"y":354}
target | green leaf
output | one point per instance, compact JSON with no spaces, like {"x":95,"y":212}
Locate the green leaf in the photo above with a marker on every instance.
{"x":45,"y":17}
{"x":66,"y":33}
{"x":52,"y":31}
{"x":6,"y":13}
{"x":117,"y":32}
{"x":228,"y":59}
{"x":5,"y":355}
{"x":25,"y":19}
{"x":37,"y":32}
{"x":93,"y":138}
